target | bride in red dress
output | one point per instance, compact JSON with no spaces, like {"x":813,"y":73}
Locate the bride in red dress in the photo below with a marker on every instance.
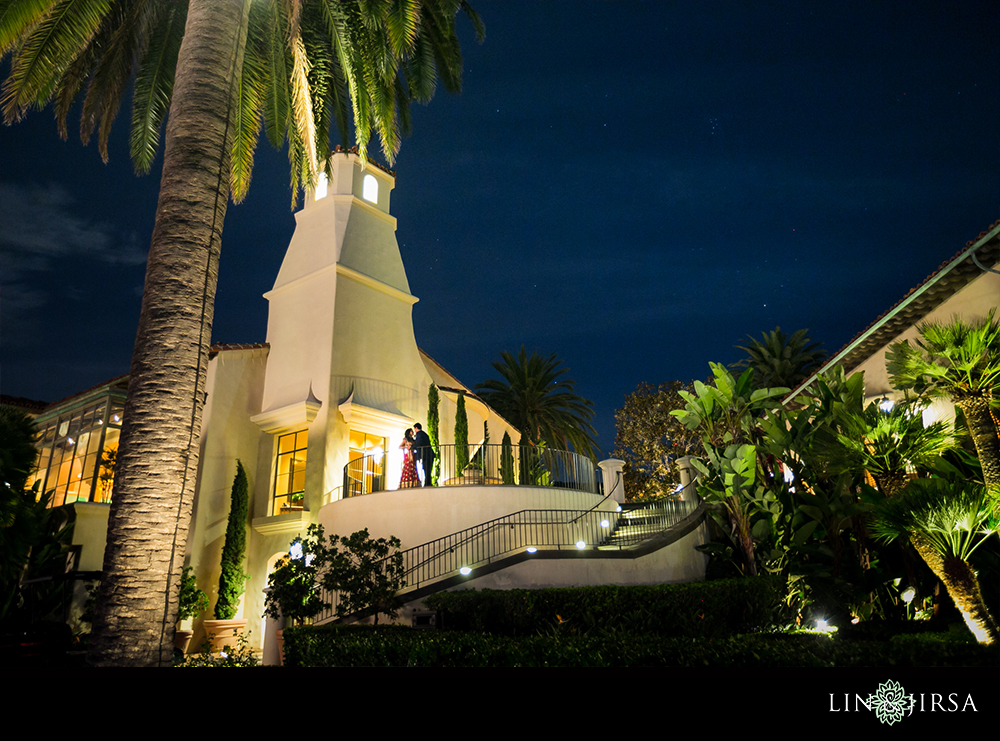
{"x":409,"y":477}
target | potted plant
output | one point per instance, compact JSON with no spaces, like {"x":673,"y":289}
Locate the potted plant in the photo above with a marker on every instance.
{"x":293,"y":590}
{"x":232,"y":580}
{"x":193,"y":602}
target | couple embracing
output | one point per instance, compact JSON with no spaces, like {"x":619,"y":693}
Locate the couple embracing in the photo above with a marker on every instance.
{"x":417,"y":449}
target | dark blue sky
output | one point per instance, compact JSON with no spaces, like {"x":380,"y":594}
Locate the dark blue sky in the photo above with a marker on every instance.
{"x":633,"y":186}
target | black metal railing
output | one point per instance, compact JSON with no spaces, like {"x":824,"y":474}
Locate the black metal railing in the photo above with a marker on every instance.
{"x":530,"y":531}
{"x":466,"y":465}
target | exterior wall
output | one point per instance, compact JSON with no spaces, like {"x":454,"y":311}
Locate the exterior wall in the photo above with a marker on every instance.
{"x":677,"y":563}
{"x":972,"y":302}
{"x":235,"y":380}
{"x":420,"y":515}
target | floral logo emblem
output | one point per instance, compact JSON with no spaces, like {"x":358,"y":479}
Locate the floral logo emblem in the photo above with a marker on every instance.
{"x":890,"y":702}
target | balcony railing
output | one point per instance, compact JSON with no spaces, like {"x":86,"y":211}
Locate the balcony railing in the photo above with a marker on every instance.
{"x":480,"y":465}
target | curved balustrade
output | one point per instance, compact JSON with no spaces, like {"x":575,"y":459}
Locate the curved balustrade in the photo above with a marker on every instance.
{"x":481,"y":465}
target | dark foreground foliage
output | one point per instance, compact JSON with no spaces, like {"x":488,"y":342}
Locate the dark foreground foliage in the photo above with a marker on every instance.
{"x":719,"y":608}
{"x":366,"y":646}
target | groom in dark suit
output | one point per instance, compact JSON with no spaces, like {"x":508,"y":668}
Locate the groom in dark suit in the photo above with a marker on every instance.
{"x":424,"y":451}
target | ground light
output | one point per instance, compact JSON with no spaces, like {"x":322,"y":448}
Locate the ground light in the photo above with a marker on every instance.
{"x":465,"y":571}
{"x":531,"y":549}
{"x":605,"y":523}
{"x":581,"y":545}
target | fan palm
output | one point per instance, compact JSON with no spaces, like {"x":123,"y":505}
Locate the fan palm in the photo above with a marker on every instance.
{"x":221,"y":69}
{"x":779,"y":360}
{"x":885,"y":444}
{"x":542,"y":406}
{"x":946,"y":522}
{"x":960,"y":361}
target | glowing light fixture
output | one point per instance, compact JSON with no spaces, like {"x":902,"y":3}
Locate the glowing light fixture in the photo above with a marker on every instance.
{"x":908,"y":594}
{"x":369,"y":189}
{"x":465,"y":571}
{"x":581,"y":545}
{"x":605,"y":523}
{"x":531,"y":549}
{"x":886,"y":405}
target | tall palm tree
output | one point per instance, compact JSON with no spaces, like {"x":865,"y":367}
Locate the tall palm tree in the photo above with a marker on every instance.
{"x":542,"y":406}
{"x":220,"y":69}
{"x":779,"y":360}
{"x":959,"y":361}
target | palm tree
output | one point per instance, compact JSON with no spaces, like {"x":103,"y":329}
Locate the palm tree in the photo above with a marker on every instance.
{"x":946,"y":522}
{"x":779,"y":360}
{"x":959,"y":361}
{"x":220,"y":68}
{"x":887,"y":444}
{"x":541,"y":405}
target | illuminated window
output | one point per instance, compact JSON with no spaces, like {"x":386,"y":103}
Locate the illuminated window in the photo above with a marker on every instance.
{"x":290,"y":472}
{"x":366,"y":467}
{"x":77,"y":449}
{"x":369,"y":189}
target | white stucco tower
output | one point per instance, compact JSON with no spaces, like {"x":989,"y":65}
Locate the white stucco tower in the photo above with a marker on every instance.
{"x":343,"y":363}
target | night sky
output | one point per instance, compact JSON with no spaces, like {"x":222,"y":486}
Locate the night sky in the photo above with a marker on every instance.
{"x":635,"y":187}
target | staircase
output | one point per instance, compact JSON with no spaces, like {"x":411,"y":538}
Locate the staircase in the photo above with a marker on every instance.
{"x":498,"y":544}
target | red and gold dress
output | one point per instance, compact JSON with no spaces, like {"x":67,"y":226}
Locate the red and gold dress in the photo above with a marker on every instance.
{"x":409,"y":477}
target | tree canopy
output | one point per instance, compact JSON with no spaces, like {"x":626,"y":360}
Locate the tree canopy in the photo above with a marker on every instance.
{"x":532,"y":395}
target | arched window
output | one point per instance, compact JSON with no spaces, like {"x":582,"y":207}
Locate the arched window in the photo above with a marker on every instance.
{"x":369,"y":189}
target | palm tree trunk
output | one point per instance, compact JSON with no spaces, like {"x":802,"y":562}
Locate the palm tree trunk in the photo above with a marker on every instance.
{"x":963,"y":587}
{"x":158,"y":459}
{"x":984,"y":434}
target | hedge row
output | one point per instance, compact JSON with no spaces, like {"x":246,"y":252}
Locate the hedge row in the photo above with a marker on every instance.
{"x":706,"y":609}
{"x":356,"y":646}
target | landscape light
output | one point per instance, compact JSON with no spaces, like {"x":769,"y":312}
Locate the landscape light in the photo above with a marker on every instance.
{"x":465,"y":571}
{"x":581,"y":545}
{"x":531,"y":549}
{"x":605,"y":523}
{"x":886,"y":405}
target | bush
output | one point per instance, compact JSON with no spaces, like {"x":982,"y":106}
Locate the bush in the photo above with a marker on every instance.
{"x":719,"y":608}
{"x":355,"y":646}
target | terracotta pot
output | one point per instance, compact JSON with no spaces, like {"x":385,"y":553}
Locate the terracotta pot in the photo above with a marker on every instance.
{"x":182,"y":639}
{"x":221,"y":633}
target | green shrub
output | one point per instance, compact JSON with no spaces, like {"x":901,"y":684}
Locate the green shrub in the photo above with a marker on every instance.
{"x":719,"y":608}
{"x":355,"y":646}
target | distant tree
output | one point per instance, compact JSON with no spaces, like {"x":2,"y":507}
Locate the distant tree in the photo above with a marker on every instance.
{"x":434,"y":430}
{"x":780,"y":360}
{"x":650,"y":439}
{"x":461,"y":436}
{"x":541,"y":405}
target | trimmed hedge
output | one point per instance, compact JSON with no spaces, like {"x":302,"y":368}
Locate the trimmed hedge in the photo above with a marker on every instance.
{"x":355,"y":646}
{"x":699,"y":609}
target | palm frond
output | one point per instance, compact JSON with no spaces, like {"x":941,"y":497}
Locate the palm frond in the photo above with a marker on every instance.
{"x":54,"y":41}
{"x":120,"y":32}
{"x":154,"y":82}
{"x":17,"y":18}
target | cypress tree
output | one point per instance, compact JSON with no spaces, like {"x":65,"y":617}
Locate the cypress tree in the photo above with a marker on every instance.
{"x":232,"y":580}
{"x":433,"y":430}
{"x":461,"y":437}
